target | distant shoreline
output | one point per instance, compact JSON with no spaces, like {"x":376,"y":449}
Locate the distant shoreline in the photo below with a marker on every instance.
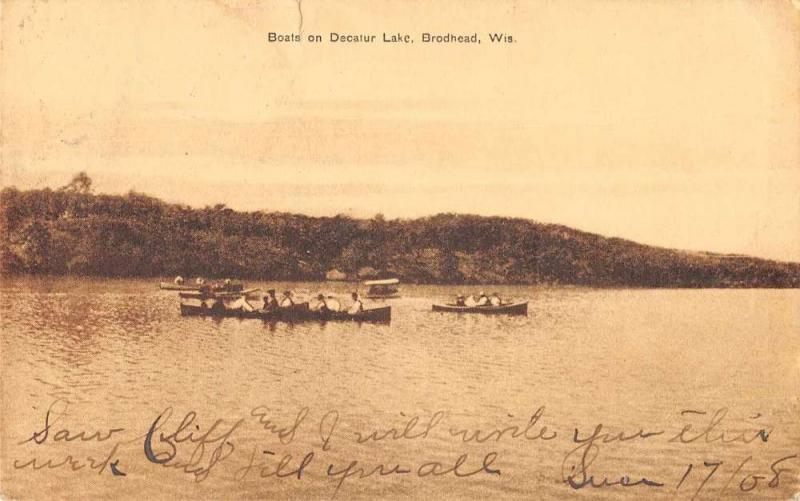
{"x":72,"y":232}
{"x":155,"y":280}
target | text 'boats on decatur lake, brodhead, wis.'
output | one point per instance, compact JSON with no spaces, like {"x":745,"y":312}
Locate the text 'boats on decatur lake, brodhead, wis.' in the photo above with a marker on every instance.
{"x":334,"y":37}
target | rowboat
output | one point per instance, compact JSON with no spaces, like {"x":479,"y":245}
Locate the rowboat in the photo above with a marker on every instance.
{"x":382,"y":289}
{"x":519,"y":308}
{"x":297,"y":312}
{"x":170,"y":286}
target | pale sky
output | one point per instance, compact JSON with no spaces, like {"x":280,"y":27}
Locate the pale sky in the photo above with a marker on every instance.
{"x":669,"y":123}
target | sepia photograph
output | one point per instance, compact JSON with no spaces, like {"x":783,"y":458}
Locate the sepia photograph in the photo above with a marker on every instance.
{"x":399,"y":250}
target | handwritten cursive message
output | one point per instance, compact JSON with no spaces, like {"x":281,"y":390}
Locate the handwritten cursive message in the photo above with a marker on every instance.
{"x":699,"y":451}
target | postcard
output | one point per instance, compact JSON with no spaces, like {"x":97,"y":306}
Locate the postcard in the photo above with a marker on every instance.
{"x":399,"y":249}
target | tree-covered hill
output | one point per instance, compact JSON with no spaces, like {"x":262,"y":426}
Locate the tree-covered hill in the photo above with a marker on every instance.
{"x":72,"y":231}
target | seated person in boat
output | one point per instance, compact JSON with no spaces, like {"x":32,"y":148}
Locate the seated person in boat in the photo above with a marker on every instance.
{"x":242,"y":304}
{"x":270,"y":301}
{"x":321,"y":305}
{"x":495,"y":300}
{"x":287,"y":300}
{"x":357,"y":305}
{"x":217,"y":306}
{"x":483,"y":300}
{"x":460,"y":301}
{"x":179,"y":280}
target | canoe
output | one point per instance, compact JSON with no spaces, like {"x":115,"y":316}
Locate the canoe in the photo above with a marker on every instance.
{"x":520,"y":308}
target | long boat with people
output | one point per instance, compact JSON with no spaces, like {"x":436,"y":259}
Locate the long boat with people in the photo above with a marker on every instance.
{"x":483,"y":304}
{"x":296,"y":313}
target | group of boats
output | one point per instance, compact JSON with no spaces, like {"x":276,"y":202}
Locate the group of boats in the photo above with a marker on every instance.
{"x":232,"y":299}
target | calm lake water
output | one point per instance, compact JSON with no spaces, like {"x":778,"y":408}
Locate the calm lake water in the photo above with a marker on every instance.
{"x":117,"y":354}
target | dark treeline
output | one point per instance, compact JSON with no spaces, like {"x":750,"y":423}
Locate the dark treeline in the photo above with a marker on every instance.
{"x":72,"y":231}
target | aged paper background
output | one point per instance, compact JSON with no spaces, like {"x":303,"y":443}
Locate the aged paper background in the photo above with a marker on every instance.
{"x":675,"y":124}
